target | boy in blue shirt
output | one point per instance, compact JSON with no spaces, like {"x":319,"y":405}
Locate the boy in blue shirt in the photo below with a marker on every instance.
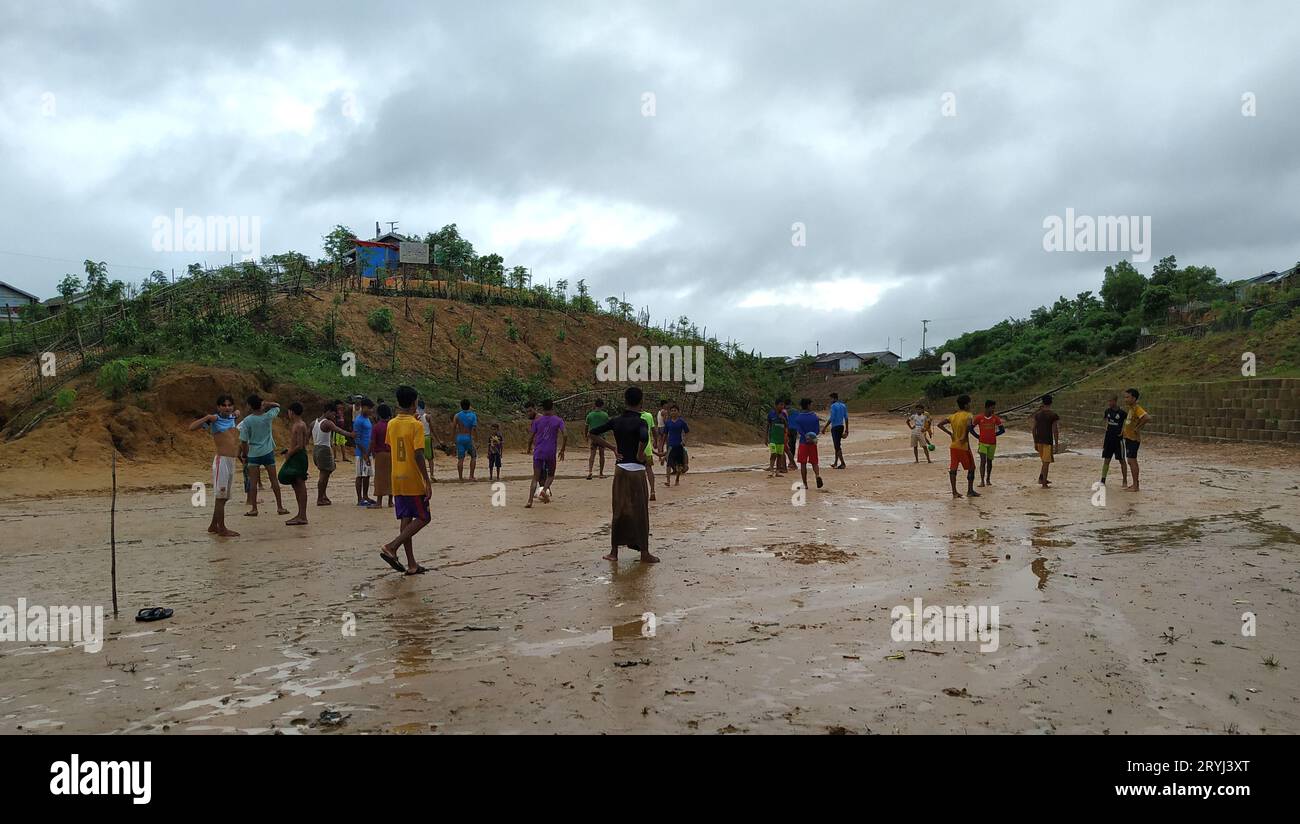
{"x":362,"y":427}
{"x":257,"y":448}
{"x":838,"y":423}
{"x":675,"y":429}
{"x":463,"y":424}
{"x":806,"y":424}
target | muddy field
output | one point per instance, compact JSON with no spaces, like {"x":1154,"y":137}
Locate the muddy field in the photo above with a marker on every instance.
{"x":768,"y":617}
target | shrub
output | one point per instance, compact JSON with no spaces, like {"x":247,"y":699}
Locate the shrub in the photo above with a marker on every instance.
{"x":561,"y":335}
{"x":380,"y":320}
{"x":511,"y":331}
{"x":114,"y":377}
{"x":65,"y":398}
{"x":300,"y":336}
{"x":1263,"y":319}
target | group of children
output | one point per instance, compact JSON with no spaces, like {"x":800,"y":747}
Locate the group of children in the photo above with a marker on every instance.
{"x":1123,"y":436}
{"x":792,"y":437}
{"x":385,"y":444}
{"x":396,"y":450}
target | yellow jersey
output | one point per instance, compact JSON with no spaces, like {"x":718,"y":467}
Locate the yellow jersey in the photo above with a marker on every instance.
{"x":406,"y":439}
{"x":960,"y":422}
{"x":1131,"y":432}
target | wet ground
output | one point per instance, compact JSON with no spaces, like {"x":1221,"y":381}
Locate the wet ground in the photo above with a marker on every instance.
{"x":767,"y":616}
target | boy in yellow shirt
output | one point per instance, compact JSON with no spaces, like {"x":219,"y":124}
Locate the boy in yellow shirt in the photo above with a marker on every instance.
{"x":410,"y":481}
{"x":959,"y":452}
{"x":1137,"y":418}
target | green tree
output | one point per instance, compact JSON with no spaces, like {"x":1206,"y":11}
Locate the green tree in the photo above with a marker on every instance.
{"x":492,"y":270}
{"x":69,"y":287}
{"x":449,"y":248}
{"x":1121,"y":290}
{"x":518,"y":278}
{"x":1156,"y":301}
{"x":97,"y":279}
{"x":1162,"y":274}
{"x":336,"y":243}
{"x":582,"y":301}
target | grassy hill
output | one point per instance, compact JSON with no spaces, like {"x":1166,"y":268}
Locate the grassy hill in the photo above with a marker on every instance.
{"x":1200,"y":327}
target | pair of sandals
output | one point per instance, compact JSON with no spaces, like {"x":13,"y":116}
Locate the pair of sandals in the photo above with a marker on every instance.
{"x":397,"y":565}
{"x":153,"y":614}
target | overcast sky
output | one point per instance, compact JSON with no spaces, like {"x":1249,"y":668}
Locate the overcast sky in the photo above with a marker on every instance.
{"x":920,"y":146}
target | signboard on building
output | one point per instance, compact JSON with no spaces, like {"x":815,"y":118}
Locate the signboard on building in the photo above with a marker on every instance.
{"x":411,"y":252}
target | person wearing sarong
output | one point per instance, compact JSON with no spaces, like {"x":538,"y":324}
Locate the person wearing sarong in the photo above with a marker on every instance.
{"x":630,"y":526}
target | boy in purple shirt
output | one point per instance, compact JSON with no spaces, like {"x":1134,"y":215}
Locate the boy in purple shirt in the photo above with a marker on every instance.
{"x":544,"y":436}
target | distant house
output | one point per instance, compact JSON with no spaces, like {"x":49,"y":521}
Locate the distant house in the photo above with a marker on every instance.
{"x":12,"y":299}
{"x":885,"y":358}
{"x":851,"y":361}
{"x":1280,"y":280}
{"x":56,"y":304}
{"x":380,"y":253}
{"x":836,"y":362}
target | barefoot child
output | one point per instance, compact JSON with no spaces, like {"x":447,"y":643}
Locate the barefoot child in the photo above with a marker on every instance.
{"x":257,"y":444}
{"x":1047,"y":438}
{"x":341,"y":437}
{"x":776,"y":420}
{"x":989,"y":426}
{"x":464,"y":424}
{"x":545,"y":433}
{"x":596,"y":417}
{"x":675,"y":430}
{"x":959,"y":454}
{"x":806,"y":424}
{"x":919,"y":423}
{"x":410,"y":481}
{"x":838,"y":424}
{"x":225,"y":441}
{"x":496,"y":446}
{"x":363,"y":428}
{"x":324,"y":431}
{"x":1112,"y":446}
{"x":294,"y":471}
{"x":1137,"y":418}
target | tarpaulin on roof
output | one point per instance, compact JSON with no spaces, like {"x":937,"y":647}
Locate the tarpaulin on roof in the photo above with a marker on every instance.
{"x":376,"y":256}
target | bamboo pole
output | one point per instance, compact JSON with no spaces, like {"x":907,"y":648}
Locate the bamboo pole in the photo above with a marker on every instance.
{"x":112,"y":530}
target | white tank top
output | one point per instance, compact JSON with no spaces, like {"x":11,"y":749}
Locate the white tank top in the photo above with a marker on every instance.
{"x":319,"y":436}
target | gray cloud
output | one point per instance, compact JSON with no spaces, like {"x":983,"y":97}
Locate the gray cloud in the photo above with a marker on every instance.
{"x":522,"y":123}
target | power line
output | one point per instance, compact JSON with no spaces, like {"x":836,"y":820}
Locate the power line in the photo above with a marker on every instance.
{"x":70,"y":260}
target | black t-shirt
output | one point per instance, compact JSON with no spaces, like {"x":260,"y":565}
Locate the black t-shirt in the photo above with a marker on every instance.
{"x":1114,"y":422}
{"x":1043,"y":420}
{"x":630,"y":432}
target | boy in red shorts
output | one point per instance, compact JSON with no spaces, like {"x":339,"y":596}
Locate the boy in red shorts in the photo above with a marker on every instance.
{"x":959,"y":453}
{"x":410,"y":481}
{"x":805,"y":425}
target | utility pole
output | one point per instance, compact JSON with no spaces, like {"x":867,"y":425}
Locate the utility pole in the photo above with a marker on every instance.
{"x":900,"y":348}
{"x":924,"y":324}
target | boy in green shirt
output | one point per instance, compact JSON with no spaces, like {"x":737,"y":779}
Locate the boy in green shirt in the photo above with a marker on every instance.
{"x":596,"y":417}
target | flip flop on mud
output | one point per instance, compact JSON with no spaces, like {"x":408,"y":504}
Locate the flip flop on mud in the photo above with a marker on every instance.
{"x":153,"y":614}
{"x":392,"y":561}
{"x":419,"y":570}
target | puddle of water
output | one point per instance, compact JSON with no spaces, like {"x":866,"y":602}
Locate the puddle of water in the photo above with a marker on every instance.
{"x":1241,"y":529}
{"x":1050,"y":542}
{"x":1039,"y":567}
